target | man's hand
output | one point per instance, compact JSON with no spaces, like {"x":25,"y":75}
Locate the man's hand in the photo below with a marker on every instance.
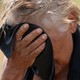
{"x":24,"y":53}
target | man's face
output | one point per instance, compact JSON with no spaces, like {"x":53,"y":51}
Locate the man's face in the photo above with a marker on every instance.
{"x":55,"y":26}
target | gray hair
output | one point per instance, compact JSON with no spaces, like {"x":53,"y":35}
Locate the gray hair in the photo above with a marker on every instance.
{"x":47,"y":9}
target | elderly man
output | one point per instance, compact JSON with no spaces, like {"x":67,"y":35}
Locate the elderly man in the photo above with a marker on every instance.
{"x":59,"y":19}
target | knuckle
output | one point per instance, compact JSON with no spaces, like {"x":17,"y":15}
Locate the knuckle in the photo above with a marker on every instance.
{"x":35,"y":43}
{"x":31,"y":46}
{"x":25,"y":40}
{"x":17,"y":34}
{"x":18,"y":45}
{"x":22,"y":30}
{"x":41,"y":48}
{"x":38,"y":51}
{"x":35,"y":54}
{"x":18,"y":37}
{"x":39,"y":40}
{"x":33,"y":33}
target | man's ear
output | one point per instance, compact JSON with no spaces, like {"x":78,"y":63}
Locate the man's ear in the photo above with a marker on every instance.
{"x":73,"y":25}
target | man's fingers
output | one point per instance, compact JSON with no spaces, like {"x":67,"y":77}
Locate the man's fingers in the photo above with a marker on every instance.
{"x":31,"y":36}
{"x":36,"y":52}
{"x":37,"y":43}
{"x":21,"y":32}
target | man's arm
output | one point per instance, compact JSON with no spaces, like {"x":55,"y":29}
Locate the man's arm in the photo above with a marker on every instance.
{"x":13,"y":73}
{"x":24,"y":53}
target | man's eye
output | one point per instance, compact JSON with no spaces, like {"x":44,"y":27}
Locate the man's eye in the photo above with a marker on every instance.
{"x":25,"y":10}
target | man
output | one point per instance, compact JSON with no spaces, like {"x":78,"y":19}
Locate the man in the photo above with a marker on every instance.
{"x":59,"y":19}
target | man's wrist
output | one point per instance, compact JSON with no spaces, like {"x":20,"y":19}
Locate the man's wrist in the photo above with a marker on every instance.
{"x":13,"y":73}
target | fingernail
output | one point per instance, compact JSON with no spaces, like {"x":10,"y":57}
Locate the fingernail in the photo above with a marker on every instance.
{"x":25,"y":26}
{"x":43,"y":45}
{"x":44,"y":36}
{"x":39,"y":30}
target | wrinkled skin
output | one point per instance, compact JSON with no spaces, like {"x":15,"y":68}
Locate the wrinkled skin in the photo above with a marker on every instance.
{"x":24,"y":48}
{"x":61,"y":41}
{"x":24,"y":53}
{"x":63,"y":46}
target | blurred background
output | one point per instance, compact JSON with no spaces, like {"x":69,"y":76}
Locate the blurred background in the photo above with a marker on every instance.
{"x":1,"y":9}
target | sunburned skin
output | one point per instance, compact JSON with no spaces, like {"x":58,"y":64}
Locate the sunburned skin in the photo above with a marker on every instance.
{"x":59,"y":29}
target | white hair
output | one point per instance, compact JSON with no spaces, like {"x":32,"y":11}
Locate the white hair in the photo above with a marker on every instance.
{"x":54,"y":12}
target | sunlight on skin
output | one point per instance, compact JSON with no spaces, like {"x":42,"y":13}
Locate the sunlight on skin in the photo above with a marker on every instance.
{"x":1,"y":58}
{"x":1,"y":54}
